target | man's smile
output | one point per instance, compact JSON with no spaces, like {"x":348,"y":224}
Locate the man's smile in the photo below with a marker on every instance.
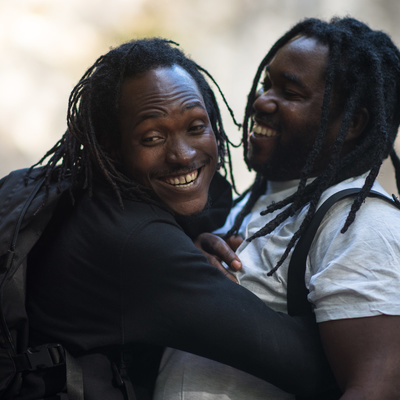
{"x":182,"y":181}
{"x":264,"y":130}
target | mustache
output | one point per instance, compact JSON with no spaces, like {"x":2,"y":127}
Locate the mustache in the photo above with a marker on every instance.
{"x":179,"y":170}
{"x":264,"y":119}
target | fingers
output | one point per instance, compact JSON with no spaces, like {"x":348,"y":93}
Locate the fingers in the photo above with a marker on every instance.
{"x":229,"y":275}
{"x":234,"y":242}
{"x":215,"y":262}
{"x":216,"y":246}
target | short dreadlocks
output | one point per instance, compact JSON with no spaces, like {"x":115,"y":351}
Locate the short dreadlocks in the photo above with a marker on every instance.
{"x":92,"y":115}
{"x":365,"y":65}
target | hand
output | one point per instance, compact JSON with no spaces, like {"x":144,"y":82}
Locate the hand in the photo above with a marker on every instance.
{"x":217,"y":250}
{"x":234,"y":242}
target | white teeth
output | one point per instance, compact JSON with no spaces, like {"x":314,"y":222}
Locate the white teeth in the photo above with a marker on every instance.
{"x":183,"y":180}
{"x":264,"y":131}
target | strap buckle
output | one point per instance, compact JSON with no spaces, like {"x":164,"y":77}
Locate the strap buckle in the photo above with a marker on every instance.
{"x":45,"y":356}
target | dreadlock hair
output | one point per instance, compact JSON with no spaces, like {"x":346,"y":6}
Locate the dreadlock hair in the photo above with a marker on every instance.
{"x":363,"y":71}
{"x":92,"y":116}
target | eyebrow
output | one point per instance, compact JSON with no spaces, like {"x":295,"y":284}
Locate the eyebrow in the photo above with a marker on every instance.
{"x":290,"y":77}
{"x":192,"y":105}
{"x":160,"y":114}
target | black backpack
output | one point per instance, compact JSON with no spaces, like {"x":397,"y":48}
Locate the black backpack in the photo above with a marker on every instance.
{"x":25,"y":210}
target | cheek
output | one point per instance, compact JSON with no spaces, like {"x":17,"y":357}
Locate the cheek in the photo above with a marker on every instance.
{"x":213,"y":146}
{"x":301,"y":126}
{"x":215,"y":156}
{"x":138,"y":164}
{"x":207,"y":146}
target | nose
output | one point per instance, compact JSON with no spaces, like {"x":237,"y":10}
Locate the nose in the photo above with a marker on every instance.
{"x":266,"y":102}
{"x":180,"y":151}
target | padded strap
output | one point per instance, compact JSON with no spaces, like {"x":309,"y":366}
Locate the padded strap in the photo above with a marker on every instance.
{"x":74,"y":378}
{"x":11,"y":251}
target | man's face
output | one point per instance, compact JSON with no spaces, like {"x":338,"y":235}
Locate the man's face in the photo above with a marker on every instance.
{"x":287,"y":111}
{"x":167,"y":142}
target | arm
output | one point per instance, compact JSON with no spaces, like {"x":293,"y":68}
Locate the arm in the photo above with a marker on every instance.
{"x":184,"y":303}
{"x":358,"y":277}
{"x":365,"y":356}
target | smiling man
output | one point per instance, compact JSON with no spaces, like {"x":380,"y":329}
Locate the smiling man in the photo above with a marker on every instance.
{"x":322,"y":115}
{"x":154,"y":151}
{"x":286,"y":120}
{"x":114,"y":278}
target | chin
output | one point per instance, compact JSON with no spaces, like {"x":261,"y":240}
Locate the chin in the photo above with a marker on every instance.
{"x":258,"y":167}
{"x":189,"y":208}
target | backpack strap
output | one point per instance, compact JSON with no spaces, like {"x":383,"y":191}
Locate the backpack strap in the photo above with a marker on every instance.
{"x":296,"y":289}
{"x":47,"y":355}
{"x":74,"y":377}
{"x":11,"y":251}
{"x":44,"y":356}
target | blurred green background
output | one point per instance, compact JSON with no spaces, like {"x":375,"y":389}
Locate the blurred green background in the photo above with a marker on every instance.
{"x":46,"y":45}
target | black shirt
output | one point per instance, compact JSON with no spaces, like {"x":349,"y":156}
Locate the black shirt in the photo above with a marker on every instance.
{"x":104,"y":278}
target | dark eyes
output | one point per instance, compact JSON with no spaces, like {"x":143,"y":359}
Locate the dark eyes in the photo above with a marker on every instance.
{"x":155,"y":138}
{"x":152,"y":140}
{"x":265,"y":84}
{"x":287,"y":93}
{"x":197,"y":129}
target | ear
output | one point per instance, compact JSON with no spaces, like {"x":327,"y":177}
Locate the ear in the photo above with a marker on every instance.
{"x":360,"y":121}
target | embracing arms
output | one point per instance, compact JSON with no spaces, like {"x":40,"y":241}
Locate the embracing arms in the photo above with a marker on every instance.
{"x":364,"y":353}
{"x":184,"y":303}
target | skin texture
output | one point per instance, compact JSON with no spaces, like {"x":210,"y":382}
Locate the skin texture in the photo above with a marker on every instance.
{"x":167,"y":142}
{"x":288,"y":110}
{"x":364,"y":353}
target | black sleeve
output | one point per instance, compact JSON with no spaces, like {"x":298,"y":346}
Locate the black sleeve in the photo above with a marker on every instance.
{"x":182,"y":302}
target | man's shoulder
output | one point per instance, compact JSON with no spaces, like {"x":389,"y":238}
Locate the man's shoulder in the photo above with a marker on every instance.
{"x":376,"y":217}
{"x":378,"y":199}
{"x":131,"y":221}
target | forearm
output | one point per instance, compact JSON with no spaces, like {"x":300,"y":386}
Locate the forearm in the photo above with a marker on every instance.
{"x":234,"y":327}
{"x":182,"y":302}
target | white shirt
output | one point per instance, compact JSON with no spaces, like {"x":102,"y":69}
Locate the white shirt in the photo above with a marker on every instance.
{"x":356,"y":274}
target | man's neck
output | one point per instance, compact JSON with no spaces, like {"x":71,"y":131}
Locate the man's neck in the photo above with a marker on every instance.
{"x":279,"y":186}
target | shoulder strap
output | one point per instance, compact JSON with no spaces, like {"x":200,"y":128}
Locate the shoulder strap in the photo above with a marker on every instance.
{"x":296,"y":289}
{"x":18,"y":197}
{"x":18,"y":224}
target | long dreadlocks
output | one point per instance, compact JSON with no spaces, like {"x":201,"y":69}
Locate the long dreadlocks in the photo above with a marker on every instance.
{"x":363,"y":71}
{"x":92,"y":124}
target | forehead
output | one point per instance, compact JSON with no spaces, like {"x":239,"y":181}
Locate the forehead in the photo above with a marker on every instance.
{"x":303,"y":56}
{"x":164,"y":84}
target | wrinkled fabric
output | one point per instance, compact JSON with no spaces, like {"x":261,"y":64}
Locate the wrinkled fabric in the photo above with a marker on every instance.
{"x":356,"y":274}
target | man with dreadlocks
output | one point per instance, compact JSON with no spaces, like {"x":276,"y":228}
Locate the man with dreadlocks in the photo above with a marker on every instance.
{"x":114,"y":278}
{"x":324,"y":119}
